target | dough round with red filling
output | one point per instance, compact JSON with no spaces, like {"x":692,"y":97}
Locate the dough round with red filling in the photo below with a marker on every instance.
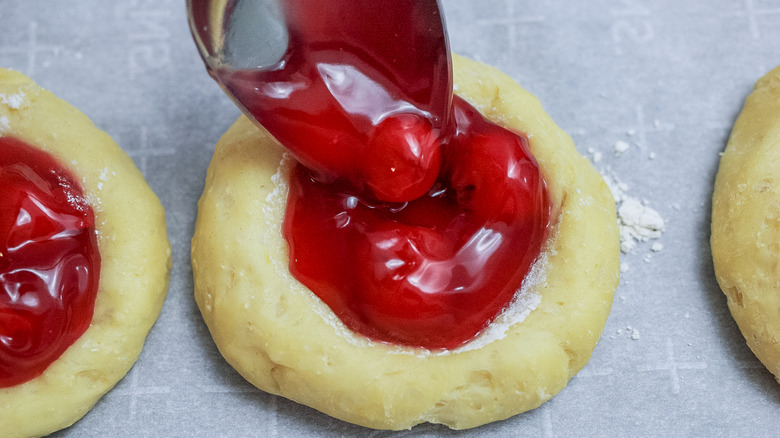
{"x":135,"y":260}
{"x":285,"y":341}
{"x":746,"y":221}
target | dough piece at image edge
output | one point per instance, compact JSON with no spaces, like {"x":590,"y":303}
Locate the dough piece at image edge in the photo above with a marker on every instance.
{"x":135,"y":260}
{"x":284,"y":340}
{"x":746,"y":221}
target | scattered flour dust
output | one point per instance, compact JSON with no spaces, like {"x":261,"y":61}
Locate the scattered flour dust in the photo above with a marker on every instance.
{"x":621,"y":147}
{"x":595,"y":155}
{"x":629,"y":331}
{"x":637,"y":221}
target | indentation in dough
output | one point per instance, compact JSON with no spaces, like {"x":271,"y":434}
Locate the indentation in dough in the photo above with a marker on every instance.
{"x":281,"y":306}
{"x":277,"y":371}
{"x":564,"y":196}
{"x":478,"y":387}
{"x":765,"y":184}
{"x":495,"y":99}
{"x":770,"y":235}
{"x":92,"y":376}
{"x":573,"y":358}
{"x":391,"y":374}
{"x":482,"y":379}
{"x":736,"y":296}
{"x":773,"y":211}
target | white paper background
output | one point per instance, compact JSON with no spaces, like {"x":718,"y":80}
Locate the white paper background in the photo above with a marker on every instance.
{"x":667,"y":77}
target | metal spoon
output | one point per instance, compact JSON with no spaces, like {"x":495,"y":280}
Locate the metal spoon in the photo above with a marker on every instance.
{"x":238,"y":34}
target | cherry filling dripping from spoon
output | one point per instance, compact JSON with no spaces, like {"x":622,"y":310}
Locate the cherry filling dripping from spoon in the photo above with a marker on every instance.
{"x":361,"y":93}
{"x":413,"y":217}
{"x":49,"y":261}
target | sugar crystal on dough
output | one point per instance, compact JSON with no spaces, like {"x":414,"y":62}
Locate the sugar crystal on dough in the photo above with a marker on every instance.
{"x":103,"y":176}
{"x":13,"y":101}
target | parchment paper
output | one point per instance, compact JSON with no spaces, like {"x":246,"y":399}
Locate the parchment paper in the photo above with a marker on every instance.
{"x":666,"y":77}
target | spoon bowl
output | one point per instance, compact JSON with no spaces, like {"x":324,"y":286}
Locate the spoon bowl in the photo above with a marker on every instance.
{"x":238,"y":34}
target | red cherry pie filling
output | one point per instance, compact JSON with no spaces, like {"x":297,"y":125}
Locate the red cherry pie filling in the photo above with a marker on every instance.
{"x":49,"y":261}
{"x":412,"y":217}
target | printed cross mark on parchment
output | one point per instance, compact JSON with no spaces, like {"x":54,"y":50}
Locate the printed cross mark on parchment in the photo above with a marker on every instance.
{"x":30,"y":49}
{"x":547,"y":426}
{"x":638,"y":129}
{"x":146,"y":150}
{"x":752,"y":14}
{"x":673,"y":366}
{"x":272,"y":422}
{"x":511,"y":20}
{"x":134,"y":390}
{"x":642,"y":128}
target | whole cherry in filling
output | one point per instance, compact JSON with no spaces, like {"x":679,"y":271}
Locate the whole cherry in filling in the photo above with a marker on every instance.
{"x":49,"y":261}
{"x":413,"y":217}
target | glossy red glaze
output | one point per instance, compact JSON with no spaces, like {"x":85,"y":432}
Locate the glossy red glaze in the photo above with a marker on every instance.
{"x":414,"y":218}
{"x":49,"y":261}
{"x":433,"y":272}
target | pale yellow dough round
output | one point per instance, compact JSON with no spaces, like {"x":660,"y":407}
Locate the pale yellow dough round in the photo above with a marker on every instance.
{"x":134,"y":250}
{"x":285,"y":341}
{"x":746,"y":221}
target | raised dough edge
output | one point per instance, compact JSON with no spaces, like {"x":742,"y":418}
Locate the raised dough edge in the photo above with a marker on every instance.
{"x":746,"y":221}
{"x":265,"y":325}
{"x":135,"y":253}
